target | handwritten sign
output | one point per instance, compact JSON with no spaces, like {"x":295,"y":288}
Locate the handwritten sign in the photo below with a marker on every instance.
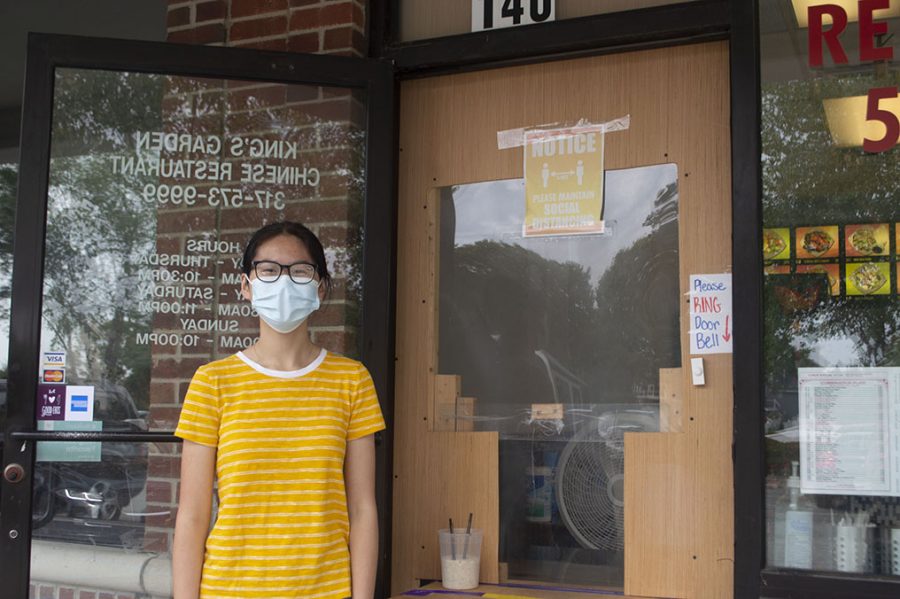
{"x":711,"y":314}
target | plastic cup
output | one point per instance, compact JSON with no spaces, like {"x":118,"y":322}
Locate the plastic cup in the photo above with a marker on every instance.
{"x":460,"y":558}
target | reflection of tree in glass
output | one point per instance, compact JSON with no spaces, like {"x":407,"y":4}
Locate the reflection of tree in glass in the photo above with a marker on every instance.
{"x":807,"y":181}
{"x":501,"y":303}
{"x":98,"y":227}
{"x":638,"y":310}
{"x":7,"y":223}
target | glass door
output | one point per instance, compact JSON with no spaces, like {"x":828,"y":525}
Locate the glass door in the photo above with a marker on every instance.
{"x":146,"y":168}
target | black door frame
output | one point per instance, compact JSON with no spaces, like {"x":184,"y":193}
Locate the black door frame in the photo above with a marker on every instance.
{"x":46,"y":53}
{"x":697,"y":21}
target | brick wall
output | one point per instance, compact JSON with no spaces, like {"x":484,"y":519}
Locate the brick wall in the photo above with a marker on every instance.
{"x":328,"y":124}
{"x":328,"y":27}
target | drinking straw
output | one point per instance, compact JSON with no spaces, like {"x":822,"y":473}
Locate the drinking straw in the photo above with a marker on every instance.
{"x":452,"y":542}
{"x":468,"y":534}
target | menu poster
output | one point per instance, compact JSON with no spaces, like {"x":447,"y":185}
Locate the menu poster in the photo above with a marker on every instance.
{"x":777,"y":244}
{"x":817,"y":243}
{"x":866,"y":279}
{"x":849,"y":431}
{"x":777,"y":269}
{"x":867,"y":241}
{"x":832,"y":271}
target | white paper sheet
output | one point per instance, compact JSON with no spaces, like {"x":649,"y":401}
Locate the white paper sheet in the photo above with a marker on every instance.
{"x":848,"y":431}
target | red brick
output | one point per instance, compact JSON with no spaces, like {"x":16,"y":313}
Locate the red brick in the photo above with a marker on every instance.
{"x":306,"y":42}
{"x":359,"y":16}
{"x":214,"y":33}
{"x":164,"y":467}
{"x":65,"y":593}
{"x":344,"y":37}
{"x":322,"y":211}
{"x":160,"y":491}
{"x":47,"y":592}
{"x":336,"y":236}
{"x":162,"y":393}
{"x":178,"y":16}
{"x":211,"y":11}
{"x":303,"y":93}
{"x":342,"y":342}
{"x":156,"y":541}
{"x":339,"y":37}
{"x":86,"y":595}
{"x":174,"y":369}
{"x":187,"y":221}
{"x":273,"y":45}
{"x":106,"y":596}
{"x":296,"y":3}
{"x":246,"y":8}
{"x":166,"y":519}
{"x":329,"y":315}
{"x":164,"y":418}
{"x":257,"y":97}
{"x":322,"y":16}
{"x":264,"y":27}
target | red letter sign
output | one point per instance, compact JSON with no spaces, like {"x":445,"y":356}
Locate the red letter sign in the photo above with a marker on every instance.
{"x":868,"y":29}
{"x":888,"y":118}
{"x":815,"y":16}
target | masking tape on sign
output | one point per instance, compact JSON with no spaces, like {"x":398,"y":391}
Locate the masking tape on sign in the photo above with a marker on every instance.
{"x":513,"y":138}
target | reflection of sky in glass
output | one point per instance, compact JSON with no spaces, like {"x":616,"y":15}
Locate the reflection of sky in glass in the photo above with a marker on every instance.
{"x":5,"y":278}
{"x":495,"y":211}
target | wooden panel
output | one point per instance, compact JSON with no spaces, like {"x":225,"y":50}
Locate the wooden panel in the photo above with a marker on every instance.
{"x":670,"y":404}
{"x":678,"y":99}
{"x":461,"y":478}
{"x":465,"y":412}
{"x":446,"y":395}
{"x":659,"y":540}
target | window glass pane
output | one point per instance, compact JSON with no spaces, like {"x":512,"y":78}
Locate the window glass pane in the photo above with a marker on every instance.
{"x":156,"y":183}
{"x":8,"y":179}
{"x":581,"y":324}
{"x":422,"y":20}
{"x":832,"y":308}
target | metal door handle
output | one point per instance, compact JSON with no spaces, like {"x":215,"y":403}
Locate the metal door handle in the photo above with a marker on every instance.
{"x":13,"y":473}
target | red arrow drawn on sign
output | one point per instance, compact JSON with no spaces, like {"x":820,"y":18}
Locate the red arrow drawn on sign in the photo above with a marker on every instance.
{"x":725,"y":335}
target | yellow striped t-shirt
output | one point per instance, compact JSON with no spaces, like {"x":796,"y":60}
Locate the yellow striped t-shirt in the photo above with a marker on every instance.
{"x":282,"y":528}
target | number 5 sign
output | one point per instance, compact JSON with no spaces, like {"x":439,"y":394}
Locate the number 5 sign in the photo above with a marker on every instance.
{"x":494,"y":14}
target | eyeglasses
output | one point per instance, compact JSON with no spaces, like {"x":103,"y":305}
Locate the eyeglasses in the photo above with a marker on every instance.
{"x":269,"y":272}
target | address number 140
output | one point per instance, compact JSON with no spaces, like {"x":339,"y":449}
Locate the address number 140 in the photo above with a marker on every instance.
{"x":494,"y":14}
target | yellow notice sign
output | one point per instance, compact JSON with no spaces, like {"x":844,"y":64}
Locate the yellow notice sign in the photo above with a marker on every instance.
{"x":564,"y":181}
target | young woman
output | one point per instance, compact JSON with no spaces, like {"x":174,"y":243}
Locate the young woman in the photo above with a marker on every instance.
{"x":286,"y":428}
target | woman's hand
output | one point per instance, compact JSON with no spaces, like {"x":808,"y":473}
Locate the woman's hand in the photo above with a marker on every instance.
{"x":198,"y":464}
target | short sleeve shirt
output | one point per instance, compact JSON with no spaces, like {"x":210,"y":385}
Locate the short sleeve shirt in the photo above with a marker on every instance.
{"x":282,"y":528}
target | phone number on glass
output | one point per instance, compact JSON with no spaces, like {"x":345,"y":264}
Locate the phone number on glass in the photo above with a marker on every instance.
{"x":227,"y":197}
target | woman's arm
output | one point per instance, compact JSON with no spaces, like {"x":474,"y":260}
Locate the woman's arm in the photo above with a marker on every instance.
{"x":198,"y":464}
{"x":359,"y":473}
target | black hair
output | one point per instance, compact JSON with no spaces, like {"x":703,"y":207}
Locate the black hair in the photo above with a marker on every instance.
{"x":307,"y":237}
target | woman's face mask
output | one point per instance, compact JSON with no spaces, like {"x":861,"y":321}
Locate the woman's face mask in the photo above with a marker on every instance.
{"x":284,"y":305}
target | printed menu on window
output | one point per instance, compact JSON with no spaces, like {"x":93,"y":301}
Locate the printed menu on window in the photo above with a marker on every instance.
{"x":849,"y":431}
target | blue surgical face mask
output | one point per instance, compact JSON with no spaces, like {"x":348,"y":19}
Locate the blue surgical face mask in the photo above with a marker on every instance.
{"x":284,"y":305}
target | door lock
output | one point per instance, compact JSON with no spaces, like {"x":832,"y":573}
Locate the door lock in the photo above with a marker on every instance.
{"x":13,"y":473}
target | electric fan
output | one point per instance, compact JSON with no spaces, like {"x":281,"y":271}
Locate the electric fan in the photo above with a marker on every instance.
{"x":590,"y":478}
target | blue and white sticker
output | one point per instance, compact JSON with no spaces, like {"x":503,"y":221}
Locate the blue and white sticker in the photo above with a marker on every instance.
{"x":79,"y":403}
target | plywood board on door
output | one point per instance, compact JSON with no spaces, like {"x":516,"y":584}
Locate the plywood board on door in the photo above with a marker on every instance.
{"x":679,"y":106}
